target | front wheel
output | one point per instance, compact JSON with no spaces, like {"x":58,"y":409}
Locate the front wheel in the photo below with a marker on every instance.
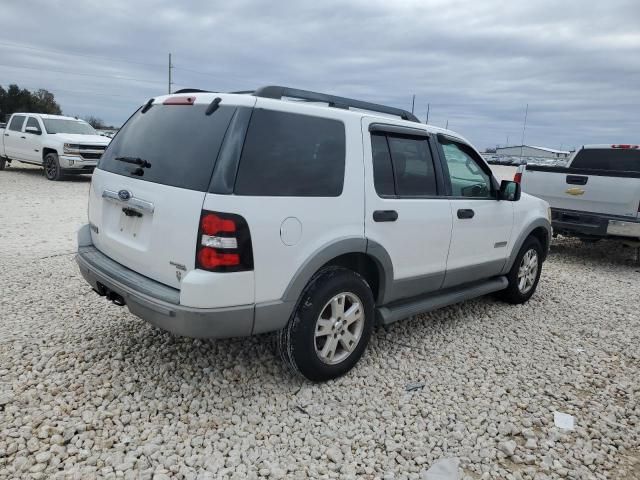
{"x":331,"y":326}
{"x":52,"y":167}
{"x":525,"y":273}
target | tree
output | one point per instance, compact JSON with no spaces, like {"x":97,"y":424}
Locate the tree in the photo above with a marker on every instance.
{"x":15,"y":99}
{"x":95,"y":122}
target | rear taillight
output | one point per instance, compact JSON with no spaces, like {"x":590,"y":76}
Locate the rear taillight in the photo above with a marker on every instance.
{"x":224,"y":243}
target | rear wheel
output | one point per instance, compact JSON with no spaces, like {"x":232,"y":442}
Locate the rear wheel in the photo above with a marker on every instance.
{"x":3,"y":163}
{"x":329,"y":330}
{"x":52,"y":167}
{"x":525,"y":273}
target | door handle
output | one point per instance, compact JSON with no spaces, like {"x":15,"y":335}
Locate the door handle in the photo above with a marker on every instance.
{"x":385,"y":216}
{"x":6,"y":134}
{"x":22,"y":137}
{"x":577,"y":180}
{"x":465,"y":213}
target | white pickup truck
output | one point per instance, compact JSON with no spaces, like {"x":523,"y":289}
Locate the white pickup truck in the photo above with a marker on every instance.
{"x":61,"y":145}
{"x":597,"y":195}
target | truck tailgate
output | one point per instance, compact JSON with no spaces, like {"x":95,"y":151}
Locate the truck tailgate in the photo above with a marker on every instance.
{"x":578,"y":190}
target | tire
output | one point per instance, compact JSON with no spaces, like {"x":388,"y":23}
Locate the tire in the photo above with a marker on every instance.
{"x":52,"y":167}
{"x":523,"y":284}
{"x":3,"y":163}
{"x":318,"y":342}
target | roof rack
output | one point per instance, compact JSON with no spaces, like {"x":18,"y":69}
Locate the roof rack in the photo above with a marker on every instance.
{"x":333,"y":101}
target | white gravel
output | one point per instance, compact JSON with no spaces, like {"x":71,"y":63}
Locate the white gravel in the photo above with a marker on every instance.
{"x":89,"y":391}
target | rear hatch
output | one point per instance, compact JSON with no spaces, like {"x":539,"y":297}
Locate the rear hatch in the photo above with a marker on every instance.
{"x":147,"y":192}
{"x":601,"y":179}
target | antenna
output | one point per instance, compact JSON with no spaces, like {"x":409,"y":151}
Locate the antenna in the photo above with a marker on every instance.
{"x":524,"y":129}
{"x":170,"y":68}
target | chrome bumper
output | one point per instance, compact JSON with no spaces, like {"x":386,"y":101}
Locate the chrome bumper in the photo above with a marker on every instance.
{"x":623,"y":229}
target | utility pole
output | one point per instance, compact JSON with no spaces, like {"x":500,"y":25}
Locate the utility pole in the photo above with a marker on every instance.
{"x":524,"y":128}
{"x":447,"y":125}
{"x":428,"y":108}
{"x":170,"y":68}
{"x":507,"y":140}
{"x":413,"y":102}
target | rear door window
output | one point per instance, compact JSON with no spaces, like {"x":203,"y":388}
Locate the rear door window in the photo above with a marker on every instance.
{"x":16,"y":123}
{"x":288,"y":154}
{"x":179,"y":141}
{"x":610,"y":159}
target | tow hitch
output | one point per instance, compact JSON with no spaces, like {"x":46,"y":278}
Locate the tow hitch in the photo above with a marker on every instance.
{"x":114,"y":297}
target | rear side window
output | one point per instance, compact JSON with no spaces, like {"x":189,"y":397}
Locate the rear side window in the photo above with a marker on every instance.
{"x":179,"y":141}
{"x":287,"y":154}
{"x":16,"y":123}
{"x":402,"y":166}
{"x":611,"y":159}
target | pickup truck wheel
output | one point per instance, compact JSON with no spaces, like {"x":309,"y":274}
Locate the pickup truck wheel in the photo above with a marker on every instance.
{"x":525,"y":273}
{"x":331,"y":326}
{"x":3,"y":163}
{"x":52,"y":167}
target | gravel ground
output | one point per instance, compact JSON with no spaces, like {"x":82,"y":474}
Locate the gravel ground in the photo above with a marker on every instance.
{"x":89,"y":391}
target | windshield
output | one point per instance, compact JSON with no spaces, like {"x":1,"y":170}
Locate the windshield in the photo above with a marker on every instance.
{"x":58,"y":125}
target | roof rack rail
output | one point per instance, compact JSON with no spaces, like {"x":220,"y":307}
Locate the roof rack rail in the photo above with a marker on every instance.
{"x":278,"y":92}
{"x":192,"y":90}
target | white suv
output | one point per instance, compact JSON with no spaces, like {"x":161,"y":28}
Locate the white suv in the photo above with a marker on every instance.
{"x":219,"y":215}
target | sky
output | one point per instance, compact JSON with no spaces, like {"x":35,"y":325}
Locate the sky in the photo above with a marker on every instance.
{"x":576,"y":63}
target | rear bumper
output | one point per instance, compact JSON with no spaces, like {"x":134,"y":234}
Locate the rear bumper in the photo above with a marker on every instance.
{"x":158,"y":304}
{"x":589,"y":224}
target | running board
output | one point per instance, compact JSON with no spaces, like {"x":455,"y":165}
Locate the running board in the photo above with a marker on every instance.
{"x":392,"y":313}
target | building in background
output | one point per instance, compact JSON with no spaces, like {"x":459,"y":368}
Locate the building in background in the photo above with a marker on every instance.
{"x":531,"y":151}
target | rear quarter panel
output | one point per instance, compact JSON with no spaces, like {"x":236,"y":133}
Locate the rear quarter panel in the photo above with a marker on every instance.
{"x":321,"y":220}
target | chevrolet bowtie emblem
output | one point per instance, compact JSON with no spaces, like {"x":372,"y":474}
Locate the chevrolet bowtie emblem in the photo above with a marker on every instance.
{"x":575,"y":191}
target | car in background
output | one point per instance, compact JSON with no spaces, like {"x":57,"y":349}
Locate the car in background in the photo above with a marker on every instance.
{"x":61,"y":145}
{"x":596,"y":195}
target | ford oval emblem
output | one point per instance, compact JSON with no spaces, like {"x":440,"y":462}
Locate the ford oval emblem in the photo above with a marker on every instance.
{"x":124,"y":195}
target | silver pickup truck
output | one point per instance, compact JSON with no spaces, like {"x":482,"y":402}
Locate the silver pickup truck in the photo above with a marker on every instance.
{"x":596,"y":195}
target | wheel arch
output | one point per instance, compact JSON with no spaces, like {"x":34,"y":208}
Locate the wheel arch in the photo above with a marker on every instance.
{"x":540,"y":229}
{"x":46,"y":151}
{"x":353,"y":253}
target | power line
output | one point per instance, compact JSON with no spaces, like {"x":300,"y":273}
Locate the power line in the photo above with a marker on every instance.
{"x":61,"y":52}
{"x":118,"y":77}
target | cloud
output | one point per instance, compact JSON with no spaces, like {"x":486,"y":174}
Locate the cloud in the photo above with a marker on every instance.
{"x":477,"y":63}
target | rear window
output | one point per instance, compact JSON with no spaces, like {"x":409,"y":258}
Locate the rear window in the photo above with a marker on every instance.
{"x":287,"y":154}
{"x":611,"y":159}
{"x":179,"y":141}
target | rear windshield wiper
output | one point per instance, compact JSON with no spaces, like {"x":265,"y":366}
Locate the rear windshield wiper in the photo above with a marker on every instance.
{"x":134,"y":161}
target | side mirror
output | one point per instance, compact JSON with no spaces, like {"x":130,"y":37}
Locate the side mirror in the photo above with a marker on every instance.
{"x":34,"y":130}
{"x":509,"y":191}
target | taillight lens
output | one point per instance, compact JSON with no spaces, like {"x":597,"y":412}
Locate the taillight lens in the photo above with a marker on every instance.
{"x":517,"y":177}
{"x":224,"y":243}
